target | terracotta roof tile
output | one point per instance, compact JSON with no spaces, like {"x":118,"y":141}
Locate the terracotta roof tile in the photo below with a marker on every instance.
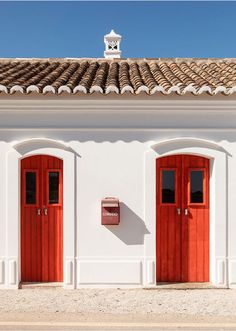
{"x":118,"y":76}
{"x":135,"y":76}
{"x":112,"y":82}
{"x":100,"y":78}
{"x":89,"y":75}
{"x":78,"y":74}
{"x":124,"y":78}
{"x":147,"y":76}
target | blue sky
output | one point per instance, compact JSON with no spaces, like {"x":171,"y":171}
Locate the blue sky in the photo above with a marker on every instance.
{"x":149,"y":29}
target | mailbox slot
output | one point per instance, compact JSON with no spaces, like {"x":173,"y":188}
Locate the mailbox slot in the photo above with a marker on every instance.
{"x":110,"y":211}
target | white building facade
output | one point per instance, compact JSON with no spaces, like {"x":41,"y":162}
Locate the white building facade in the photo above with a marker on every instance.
{"x":109,"y":144}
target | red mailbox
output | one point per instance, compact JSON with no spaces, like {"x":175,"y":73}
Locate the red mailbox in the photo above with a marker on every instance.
{"x":110,"y":211}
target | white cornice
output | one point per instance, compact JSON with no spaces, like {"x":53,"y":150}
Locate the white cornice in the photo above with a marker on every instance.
{"x":115,"y":129}
{"x":110,"y":106}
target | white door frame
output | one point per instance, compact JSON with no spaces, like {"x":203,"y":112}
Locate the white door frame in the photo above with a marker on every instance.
{"x":19,"y":151}
{"x":218,"y":203}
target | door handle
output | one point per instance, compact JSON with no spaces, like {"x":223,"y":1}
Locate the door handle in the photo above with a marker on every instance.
{"x":178,"y":211}
{"x":186,"y":211}
{"x":45,"y":211}
{"x":38,"y":211}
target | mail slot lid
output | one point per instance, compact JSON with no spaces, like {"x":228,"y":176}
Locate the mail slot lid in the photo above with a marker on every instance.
{"x":110,"y":211}
{"x":110,"y":202}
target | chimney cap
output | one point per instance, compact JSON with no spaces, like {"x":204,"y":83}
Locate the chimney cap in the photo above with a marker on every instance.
{"x":112,"y":35}
{"x":112,"y":45}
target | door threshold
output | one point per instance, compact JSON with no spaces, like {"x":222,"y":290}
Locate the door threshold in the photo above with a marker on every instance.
{"x":184,"y":286}
{"x":36,"y":285}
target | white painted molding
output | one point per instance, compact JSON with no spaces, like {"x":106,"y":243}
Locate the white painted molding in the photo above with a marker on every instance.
{"x":218,"y":186}
{"x":108,"y":272}
{"x":69,"y":273}
{"x":34,"y":143}
{"x":124,"y":106}
{"x":17,"y":151}
{"x":172,"y":144}
{"x":151,"y":273}
{"x":42,"y":129}
{"x":220,"y":272}
{"x":2,"y":271}
{"x":232,"y":272}
{"x":12,"y":272}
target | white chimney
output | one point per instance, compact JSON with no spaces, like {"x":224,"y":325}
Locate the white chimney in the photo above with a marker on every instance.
{"x":112,"y":43}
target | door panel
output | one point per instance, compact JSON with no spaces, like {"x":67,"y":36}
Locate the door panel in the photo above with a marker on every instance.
{"x":41,"y":220}
{"x":168,"y":221}
{"x":182,"y":230}
{"x":195,"y":224}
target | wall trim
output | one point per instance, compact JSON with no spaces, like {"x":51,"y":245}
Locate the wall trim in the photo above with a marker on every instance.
{"x":14,"y":156}
{"x":115,"y":129}
{"x":222,"y":105}
{"x":218,"y":212}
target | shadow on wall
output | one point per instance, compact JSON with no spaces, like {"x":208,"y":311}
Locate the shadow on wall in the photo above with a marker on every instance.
{"x":131,"y":229}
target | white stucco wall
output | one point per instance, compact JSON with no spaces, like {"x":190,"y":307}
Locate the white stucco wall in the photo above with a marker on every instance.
{"x":109,"y":147}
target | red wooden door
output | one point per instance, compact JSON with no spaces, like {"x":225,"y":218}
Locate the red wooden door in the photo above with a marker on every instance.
{"x":182,"y":227}
{"x":41,"y":219}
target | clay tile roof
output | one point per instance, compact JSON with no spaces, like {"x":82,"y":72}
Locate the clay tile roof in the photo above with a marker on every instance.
{"x":86,"y":75}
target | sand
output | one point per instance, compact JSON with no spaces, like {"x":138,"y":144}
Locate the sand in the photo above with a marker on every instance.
{"x":118,"y":305}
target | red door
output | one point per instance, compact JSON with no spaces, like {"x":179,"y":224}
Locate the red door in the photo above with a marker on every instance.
{"x":182,"y":230}
{"x":41,"y":219}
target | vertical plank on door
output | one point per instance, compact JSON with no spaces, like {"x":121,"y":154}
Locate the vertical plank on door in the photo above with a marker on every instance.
{"x":168,"y":225}
{"x":196,"y":224}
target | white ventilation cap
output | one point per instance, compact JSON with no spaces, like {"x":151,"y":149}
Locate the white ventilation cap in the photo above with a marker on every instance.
{"x":112,"y":44}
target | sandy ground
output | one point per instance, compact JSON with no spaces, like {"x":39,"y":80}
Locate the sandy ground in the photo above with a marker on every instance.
{"x":218,"y":305}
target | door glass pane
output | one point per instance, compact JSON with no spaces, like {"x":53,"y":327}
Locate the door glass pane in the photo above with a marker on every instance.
{"x":196,"y":186}
{"x":30,"y":194}
{"x":168,"y":186}
{"x":53,"y":187}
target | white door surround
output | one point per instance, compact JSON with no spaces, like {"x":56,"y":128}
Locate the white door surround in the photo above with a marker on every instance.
{"x":218,"y":202}
{"x":18,"y":152}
